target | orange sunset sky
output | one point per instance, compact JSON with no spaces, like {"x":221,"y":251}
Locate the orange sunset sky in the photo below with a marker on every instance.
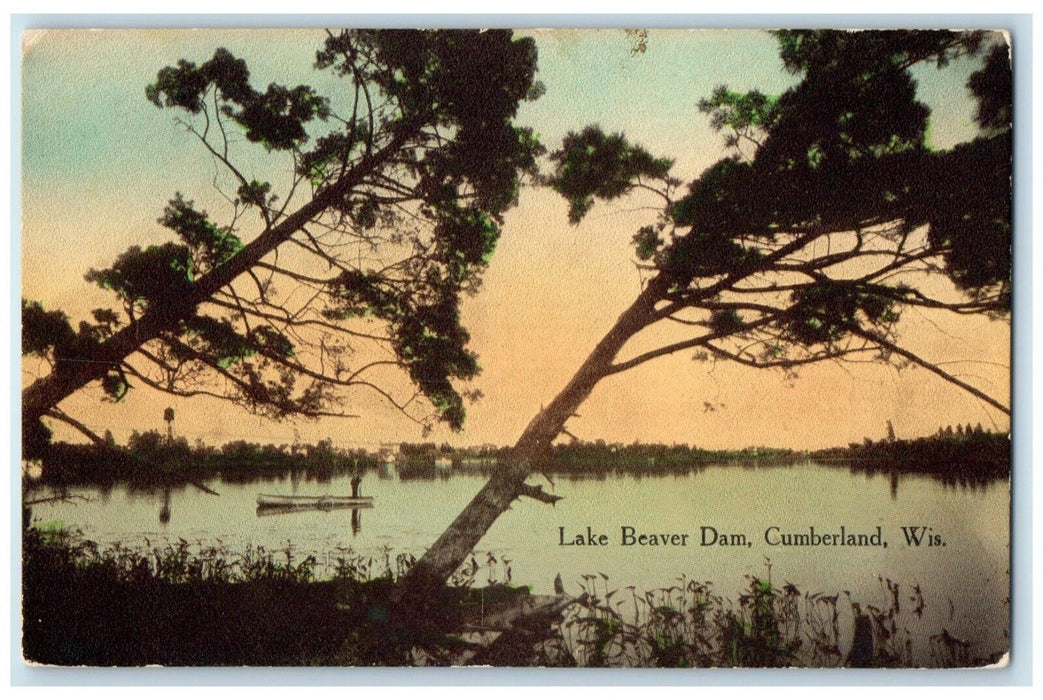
{"x":100,"y":162}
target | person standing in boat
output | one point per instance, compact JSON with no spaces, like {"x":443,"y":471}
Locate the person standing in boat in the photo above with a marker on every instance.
{"x":356,"y":481}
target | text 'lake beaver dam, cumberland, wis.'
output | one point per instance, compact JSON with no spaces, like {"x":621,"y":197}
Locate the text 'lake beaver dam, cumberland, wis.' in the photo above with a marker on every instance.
{"x":709,"y":536}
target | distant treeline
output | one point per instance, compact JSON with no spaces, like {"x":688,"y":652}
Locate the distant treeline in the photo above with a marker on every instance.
{"x":151,"y":458}
{"x":585,"y":457}
{"x":960,"y":452}
{"x":579,"y":458}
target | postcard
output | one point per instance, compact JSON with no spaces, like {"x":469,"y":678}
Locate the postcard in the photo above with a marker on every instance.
{"x":682,"y":348}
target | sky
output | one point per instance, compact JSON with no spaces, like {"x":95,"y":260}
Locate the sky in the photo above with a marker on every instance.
{"x":99,"y":163}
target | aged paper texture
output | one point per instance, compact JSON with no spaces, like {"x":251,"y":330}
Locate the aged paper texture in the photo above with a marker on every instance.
{"x":629,"y":348}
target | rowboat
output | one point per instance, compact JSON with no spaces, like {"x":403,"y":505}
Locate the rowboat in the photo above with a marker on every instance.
{"x":267,"y":500}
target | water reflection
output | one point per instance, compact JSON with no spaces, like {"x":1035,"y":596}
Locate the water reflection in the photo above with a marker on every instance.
{"x":164,"y":512}
{"x":949,"y":476}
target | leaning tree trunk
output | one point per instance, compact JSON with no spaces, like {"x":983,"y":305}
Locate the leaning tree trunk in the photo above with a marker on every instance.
{"x":456,"y":543}
{"x":71,"y":375}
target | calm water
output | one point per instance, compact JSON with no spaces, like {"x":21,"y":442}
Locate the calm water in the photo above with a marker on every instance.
{"x":964,"y":582}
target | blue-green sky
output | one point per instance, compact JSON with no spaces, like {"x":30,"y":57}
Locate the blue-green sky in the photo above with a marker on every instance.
{"x":99,"y":163}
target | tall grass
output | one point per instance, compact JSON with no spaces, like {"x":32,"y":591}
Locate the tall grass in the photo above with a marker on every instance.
{"x":189,"y":603}
{"x":187,"y":562}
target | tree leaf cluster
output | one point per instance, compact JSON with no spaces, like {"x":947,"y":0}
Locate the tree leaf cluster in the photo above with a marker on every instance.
{"x":593,"y":164}
{"x":824,"y":313}
{"x":468,"y":82}
{"x":49,"y":335}
{"x":211,"y":245}
{"x":154,"y":277}
{"x":275,"y":117}
{"x":426,"y":333}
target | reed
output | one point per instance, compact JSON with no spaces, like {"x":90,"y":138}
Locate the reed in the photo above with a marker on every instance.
{"x":689,"y":625}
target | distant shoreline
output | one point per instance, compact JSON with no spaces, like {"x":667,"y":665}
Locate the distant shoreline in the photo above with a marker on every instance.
{"x":155,"y":460}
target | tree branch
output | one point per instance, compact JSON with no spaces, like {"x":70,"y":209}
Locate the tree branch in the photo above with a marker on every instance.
{"x":682,"y":345}
{"x":886,"y":344}
{"x":537,"y":493}
{"x":69,"y":420}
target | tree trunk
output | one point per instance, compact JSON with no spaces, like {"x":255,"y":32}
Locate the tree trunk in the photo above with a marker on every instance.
{"x":452,"y":548}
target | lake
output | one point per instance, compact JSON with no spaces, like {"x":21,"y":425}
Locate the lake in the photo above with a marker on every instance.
{"x":961,"y":565}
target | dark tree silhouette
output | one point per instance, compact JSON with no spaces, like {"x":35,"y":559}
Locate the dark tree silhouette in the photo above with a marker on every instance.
{"x":400,"y":181}
{"x":806,"y":244}
{"x":168,"y":416}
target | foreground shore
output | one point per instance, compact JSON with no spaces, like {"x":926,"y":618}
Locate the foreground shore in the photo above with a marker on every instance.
{"x":120,"y":607}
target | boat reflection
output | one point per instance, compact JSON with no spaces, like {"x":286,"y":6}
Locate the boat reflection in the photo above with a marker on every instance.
{"x":284,"y":509}
{"x":356,"y":518}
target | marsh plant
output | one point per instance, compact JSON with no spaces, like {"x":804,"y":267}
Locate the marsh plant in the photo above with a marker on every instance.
{"x":689,"y":625}
{"x":181,"y":561}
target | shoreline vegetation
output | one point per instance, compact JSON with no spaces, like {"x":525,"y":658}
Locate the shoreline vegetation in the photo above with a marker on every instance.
{"x":960,"y":456}
{"x":168,"y":605}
